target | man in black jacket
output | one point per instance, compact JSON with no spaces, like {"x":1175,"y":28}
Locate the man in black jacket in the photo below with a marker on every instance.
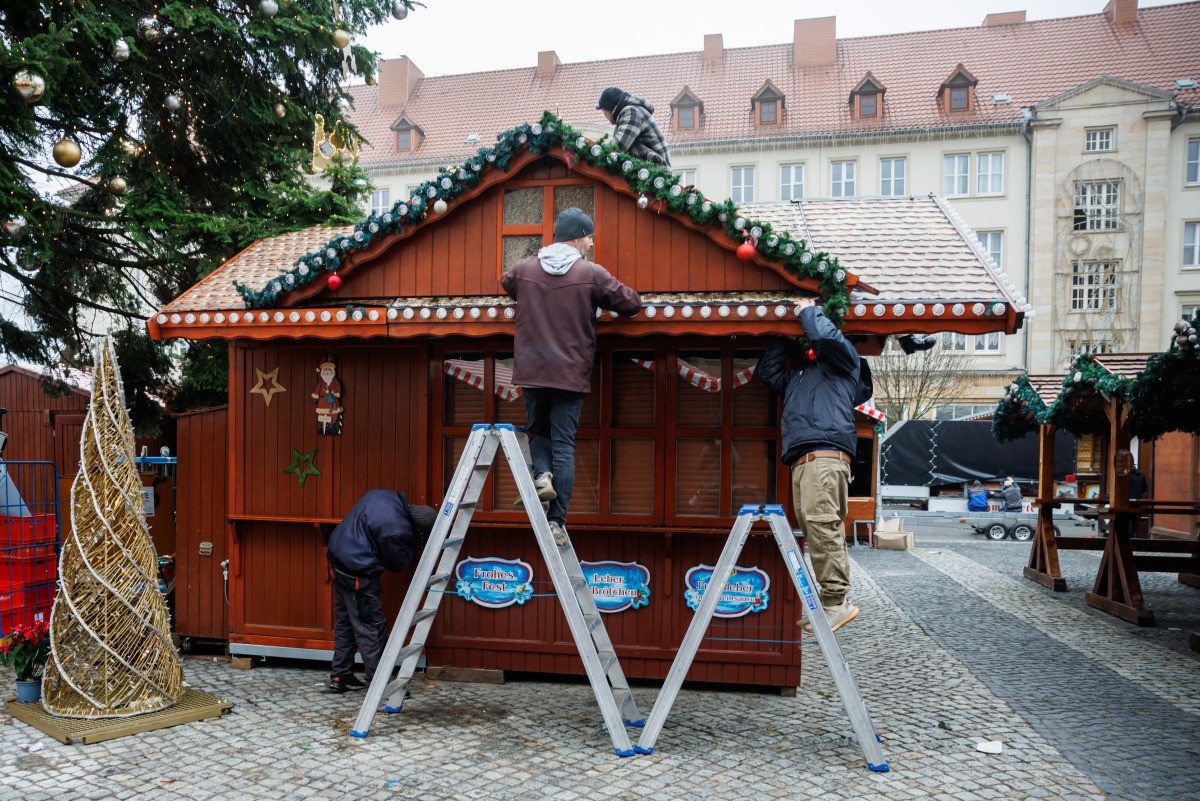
{"x":381,"y":531}
{"x":819,"y":443}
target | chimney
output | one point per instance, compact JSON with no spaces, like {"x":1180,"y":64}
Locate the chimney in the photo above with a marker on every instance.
{"x":714,"y":48}
{"x":547,"y":63}
{"x":398,"y":79}
{"x":1004,"y":18}
{"x":1121,"y":12}
{"x":815,"y":42}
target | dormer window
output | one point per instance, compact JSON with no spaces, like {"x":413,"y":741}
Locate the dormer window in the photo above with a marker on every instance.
{"x":957,"y":93}
{"x":866,"y":99}
{"x":408,"y":134}
{"x":767,"y":105}
{"x":686,"y":111}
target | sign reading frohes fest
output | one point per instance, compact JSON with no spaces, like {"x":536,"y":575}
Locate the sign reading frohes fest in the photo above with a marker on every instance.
{"x":496,"y":583}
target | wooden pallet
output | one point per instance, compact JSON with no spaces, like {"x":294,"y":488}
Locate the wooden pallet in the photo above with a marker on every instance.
{"x":194,"y":705}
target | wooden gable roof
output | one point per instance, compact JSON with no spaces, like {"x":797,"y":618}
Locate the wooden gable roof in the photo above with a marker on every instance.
{"x":439,"y":274}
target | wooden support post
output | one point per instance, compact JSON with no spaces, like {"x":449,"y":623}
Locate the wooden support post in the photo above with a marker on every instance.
{"x":1043,"y":556}
{"x":1118,"y":590}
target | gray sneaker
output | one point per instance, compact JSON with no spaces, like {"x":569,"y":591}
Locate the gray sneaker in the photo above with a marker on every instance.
{"x":544,"y":484}
{"x":560,"y":533}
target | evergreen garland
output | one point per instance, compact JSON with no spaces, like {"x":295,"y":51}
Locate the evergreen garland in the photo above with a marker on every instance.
{"x":656,"y":182}
{"x":1018,"y":411}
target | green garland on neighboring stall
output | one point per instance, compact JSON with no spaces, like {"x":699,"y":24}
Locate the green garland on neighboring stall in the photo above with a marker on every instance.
{"x":1165,"y":395}
{"x":1017,"y":412}
{"x":655,"y":182}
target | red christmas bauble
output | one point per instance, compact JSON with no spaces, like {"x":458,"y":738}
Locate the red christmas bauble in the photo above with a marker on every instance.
{"x":334,"y":281}
{"x":746,"y":251}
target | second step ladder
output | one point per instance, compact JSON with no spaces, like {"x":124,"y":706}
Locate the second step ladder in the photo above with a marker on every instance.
{"x":436,"y":568}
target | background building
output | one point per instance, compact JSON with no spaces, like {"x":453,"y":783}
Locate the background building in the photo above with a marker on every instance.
{"x":1066,"y":145}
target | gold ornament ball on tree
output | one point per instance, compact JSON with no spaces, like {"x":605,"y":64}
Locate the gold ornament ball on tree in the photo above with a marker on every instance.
{"x":370,"y":80}
{"x":67,"y":153}
{"x":29,"y":85}
{"x":341,"y":38}
{"x":280,"y":110}
{"x":117,"y":185}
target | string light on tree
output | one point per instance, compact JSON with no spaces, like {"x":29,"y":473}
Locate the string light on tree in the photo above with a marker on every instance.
{"x":67,"y":153}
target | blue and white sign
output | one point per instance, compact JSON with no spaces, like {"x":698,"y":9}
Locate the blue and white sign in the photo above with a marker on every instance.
{"x":494,"y":582}
{"x":618,"y":586}
{"x":745,"y":592}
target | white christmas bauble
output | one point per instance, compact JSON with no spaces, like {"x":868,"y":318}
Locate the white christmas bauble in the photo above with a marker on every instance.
{"x":117,"y":185}
{"x":120,"y":50}
{"x":15,"y":226}
{"x":29,"y":85}
{"x":439,"y":206}
{"x":269,"y":7}
{"x":172,"y":102}
{"x":643,"y":202}
{"x":280,"y":110}
{"x":399,"y":10}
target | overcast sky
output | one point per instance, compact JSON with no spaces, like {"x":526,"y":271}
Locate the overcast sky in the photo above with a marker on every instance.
{"x":448,"y":37}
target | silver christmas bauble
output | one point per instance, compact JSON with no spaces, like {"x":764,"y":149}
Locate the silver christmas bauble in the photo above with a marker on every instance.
{"x":150,"y":29}
{"x":643,"y":202}
{"x":120,"y":50}
{"x":280,"y":110}
{"x":172,"y":102}
{"x":117,"y":185}
{"x":15,"y":226}
{"x":399,"y":10}
{"x":29,"y":85}
{"x":269,"y":7}
{"x":439,"y":206}
{"x":130,"y":147}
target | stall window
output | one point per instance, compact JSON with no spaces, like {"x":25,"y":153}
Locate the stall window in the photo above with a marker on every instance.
{"x":527,"y":217}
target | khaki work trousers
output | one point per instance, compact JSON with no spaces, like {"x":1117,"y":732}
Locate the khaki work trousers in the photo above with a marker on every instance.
{"x":819,"y":491}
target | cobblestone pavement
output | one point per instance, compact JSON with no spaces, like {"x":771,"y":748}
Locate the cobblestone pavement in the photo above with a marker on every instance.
{"x":952,"y":648}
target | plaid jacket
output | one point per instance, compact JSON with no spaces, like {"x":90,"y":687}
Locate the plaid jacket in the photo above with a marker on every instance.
{"x":637,"y":133}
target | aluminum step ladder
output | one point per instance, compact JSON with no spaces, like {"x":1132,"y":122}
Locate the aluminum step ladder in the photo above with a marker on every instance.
{"x":435,"y":572}
{"x":775,"y":516}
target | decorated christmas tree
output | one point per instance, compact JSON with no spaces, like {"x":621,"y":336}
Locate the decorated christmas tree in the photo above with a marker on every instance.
{"x":110,"y":645}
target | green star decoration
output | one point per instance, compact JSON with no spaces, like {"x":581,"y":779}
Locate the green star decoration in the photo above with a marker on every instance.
{"x":302,"y":465}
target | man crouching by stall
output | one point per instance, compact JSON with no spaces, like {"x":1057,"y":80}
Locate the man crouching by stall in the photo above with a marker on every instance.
{"x":381,"y":532}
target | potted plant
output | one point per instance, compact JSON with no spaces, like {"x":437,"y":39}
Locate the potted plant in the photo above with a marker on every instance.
{"x":26,"y":651}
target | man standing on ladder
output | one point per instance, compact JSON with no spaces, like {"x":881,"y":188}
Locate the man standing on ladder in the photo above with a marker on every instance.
{"x":819,"y":443}
{"x":381,"y":531}
{"x":557,"y":294}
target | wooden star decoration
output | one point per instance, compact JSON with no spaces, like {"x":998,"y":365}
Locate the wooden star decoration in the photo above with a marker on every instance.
{"x":267,"y":391}
{"x":302,"y":465}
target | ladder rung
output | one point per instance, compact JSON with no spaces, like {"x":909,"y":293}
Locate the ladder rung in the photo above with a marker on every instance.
{"x":592,"y":621}
{"x":450,"y":543}
{"x":410,"y":650}
{"x":439,"y":578}
{"x":607,"y":660}
{"x":396,"y":686}
{"x":578,"y":583}
{"x":424,"y":614}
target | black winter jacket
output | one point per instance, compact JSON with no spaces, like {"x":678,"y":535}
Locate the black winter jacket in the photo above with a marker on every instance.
{"x":375,"y":534}
{"x":818,"y":401}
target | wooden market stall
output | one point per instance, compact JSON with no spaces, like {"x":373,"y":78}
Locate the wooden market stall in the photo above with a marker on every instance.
{"x":1118,"y":397}
{"x":405,"y":313}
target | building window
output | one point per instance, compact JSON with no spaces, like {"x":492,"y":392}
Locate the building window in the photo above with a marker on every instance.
{"x":954,"y":342}
{"x":1191,"y":244}
{"x":1189,"y":311}
{"x":687,"y":117}
{"x":987,"y":343}
{"x":403,"y":140}
{"x":1094,"y":285}
{"x":742,"y":181}
{"x":1097,"y":204}
{"x":868,"y":105}
{"x":768,"y":112}
{"x":842,"y":173}
{"x":381,"y":201}
{"x":989,"y":173}
{"x":1098,"y":140}
{"x":962,"y":411}
{"x":687,"y":177}
{"x":891,"y":177}
{"x":960,"y":99}
{"x":957,"y":174}
{"x":791,"y":181}
{"x":1193,"y":161}
{"x":1081,"y":346}
{"x":993,"y":245}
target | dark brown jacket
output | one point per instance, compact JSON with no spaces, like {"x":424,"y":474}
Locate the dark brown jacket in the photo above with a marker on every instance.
{"x":555,"y":341}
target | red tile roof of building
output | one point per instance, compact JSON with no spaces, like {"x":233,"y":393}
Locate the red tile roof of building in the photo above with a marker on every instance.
{"x":1028,"y":61}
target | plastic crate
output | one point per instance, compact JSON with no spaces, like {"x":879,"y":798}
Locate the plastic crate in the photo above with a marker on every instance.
{"x":20,"y":572}
{"x":28,"y":530}
{"x":27,"y":615}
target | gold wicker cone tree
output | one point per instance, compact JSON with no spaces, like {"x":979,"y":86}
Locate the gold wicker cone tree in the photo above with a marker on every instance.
{"x":110,"y":647}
